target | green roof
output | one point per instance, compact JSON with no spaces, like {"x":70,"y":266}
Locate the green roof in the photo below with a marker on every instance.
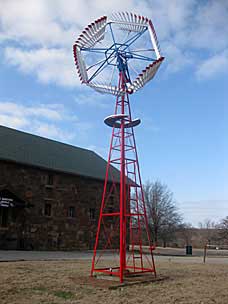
{"x":28,"y":149}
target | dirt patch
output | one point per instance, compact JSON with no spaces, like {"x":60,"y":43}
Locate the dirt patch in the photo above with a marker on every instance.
{"x":113,"y":283}
{"x":68,"y":282}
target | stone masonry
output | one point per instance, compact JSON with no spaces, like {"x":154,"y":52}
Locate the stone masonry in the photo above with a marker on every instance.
{"x":60,"y":213}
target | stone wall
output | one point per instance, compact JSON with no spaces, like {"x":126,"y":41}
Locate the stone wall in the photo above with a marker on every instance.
{"x":31,"y":228}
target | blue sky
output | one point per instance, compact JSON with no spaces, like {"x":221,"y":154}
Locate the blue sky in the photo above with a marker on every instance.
{"x":182,"y":140}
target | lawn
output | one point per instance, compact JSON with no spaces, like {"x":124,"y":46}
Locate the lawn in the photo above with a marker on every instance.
{"x":55,"y":282}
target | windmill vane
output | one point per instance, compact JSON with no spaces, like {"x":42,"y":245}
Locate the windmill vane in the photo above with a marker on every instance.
{"x":119,"y":56}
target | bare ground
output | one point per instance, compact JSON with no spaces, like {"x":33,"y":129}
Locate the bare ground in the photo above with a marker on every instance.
{"x":54,"y":282}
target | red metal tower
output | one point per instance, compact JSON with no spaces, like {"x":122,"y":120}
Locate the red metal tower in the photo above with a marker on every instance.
{"x":132,"y":209}
{"x":123,"y":225}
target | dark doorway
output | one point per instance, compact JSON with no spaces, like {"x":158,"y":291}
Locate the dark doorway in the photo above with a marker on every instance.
{"x":11,"y":220}
{"x":4,"y":216}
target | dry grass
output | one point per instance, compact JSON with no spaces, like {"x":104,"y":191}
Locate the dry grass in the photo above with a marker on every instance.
{"x":67,"y":282}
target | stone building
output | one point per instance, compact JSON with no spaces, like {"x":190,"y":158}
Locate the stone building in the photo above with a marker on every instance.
{"x":50,"y":193}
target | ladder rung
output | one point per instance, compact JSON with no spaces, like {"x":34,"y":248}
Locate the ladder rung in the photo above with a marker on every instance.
{"x":111,"y":214}
{"x":135,"y":214}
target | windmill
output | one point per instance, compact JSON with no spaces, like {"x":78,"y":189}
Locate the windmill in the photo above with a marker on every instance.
{"x":118,"y":56}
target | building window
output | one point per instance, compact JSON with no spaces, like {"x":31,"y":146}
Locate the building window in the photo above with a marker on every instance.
{"x":50,"y":180}
{"x":47,"y":209}
{"x":71,"y":211}
{"x":92,"y":213}
{"x":4,"y":217}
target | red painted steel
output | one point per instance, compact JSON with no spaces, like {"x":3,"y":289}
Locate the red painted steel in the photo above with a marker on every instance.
{"x":123,"y":219}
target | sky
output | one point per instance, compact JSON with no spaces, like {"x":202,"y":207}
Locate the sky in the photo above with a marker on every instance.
{"x":182,"y":140}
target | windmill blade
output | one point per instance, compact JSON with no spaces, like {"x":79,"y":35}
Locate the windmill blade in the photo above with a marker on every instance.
{"x":93,"y":33}
{"x":145,"y":76}
{"x":130,"y":22}
{"x":106,"y":89}
{"x":80,"y":64}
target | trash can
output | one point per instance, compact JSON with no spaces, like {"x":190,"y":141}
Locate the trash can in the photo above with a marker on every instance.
{"x":188,"y":250}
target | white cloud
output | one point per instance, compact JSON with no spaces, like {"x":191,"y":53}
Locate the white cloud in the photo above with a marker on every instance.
{"x":187,"y":27}
{"x":43,"y":120}
{"x":13,"y":121}
{"x":55,"y":22}
{"x":210,"y":30}
{"x":177,"y":58}
{"x":38,"y":35}
{"x":33,"y":22}
{"x":84,"y":12}
{"x":51,"y":112}
{"x":94,"y":100}
{"x":51,"y":130}
{"x":215,"y":65}
{"x":192,"y":24}
{"x":50,"y":65}
{"x":170,"y":17}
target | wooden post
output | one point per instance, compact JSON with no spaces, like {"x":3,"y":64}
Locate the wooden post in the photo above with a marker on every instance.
{"x":205,"y":253}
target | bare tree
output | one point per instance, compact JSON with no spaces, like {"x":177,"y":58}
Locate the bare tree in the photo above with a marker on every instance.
{"x":186,"y":232}
{"x":223,"y":229}
{"x":162,"y":212}
{"x":207,"y":224}
{"x":209,"y":227}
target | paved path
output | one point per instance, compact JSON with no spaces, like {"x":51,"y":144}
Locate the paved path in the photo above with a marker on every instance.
{"x":14,"y":255}
{"x":192,"y":260}
{"x":195,"y":252}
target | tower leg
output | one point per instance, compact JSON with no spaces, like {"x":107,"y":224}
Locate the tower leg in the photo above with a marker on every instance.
{"x":122,"y":190}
